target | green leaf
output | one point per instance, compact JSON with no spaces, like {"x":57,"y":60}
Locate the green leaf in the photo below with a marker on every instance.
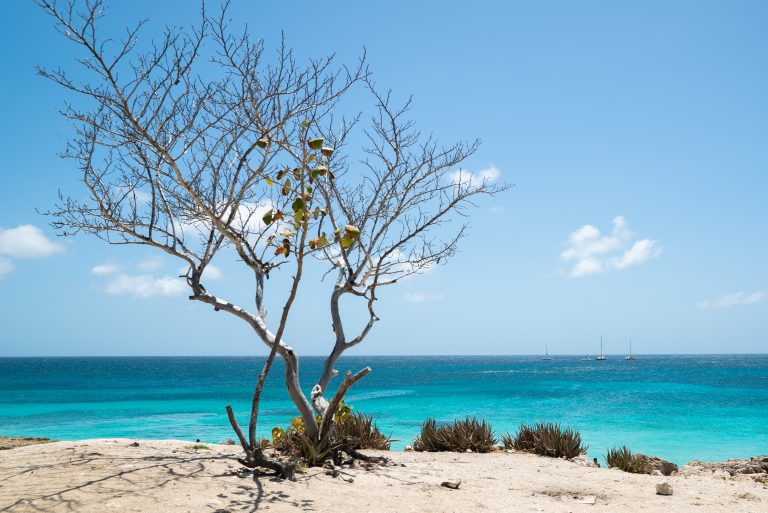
{"x":269,"y":181}
{"x":352,"y":231}
{"x":267,"y":217}
{"x":298,"y":217}
{"x":323,"y":240}
{"x":305,"y":123}
{"x":326,"y":151}
{"x":281,"y":174}
{"x":316,"y":213}
{"x":315,"y":143}
{"x":287,"y":187}
{"x":322,"y":170}
{"x":298,"y":204}
{"x":346,"y":242}
{"x":262,"y":143}
{"x":297,"y":173}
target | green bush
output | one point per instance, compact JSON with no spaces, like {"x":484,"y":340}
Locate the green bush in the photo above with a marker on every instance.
{"x":351,"y":431}
{"x":622,"y":458}
{"x":546,"y":439}
{"x":363,"y":431}
{"x":458,"y":436}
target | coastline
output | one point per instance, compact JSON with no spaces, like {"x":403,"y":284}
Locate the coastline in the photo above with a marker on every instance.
{"x":716,"y":404}
{"x":175,"y":475}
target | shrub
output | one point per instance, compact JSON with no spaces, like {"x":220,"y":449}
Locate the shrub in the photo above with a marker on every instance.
{"x":363,"y":431}
{"x":457,"y":436}
{"x":546,"y":439}
{"x":197,"y":447}
{"x":623,"y":459}
{"x":350,"y":431}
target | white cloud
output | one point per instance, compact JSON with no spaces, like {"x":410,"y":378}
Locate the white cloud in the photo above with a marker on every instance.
{"x":734,"y":299}
{"x":145,"y":286}
{"x":106,"y":269}
{"x":590,"y":252}
{"x":247,"y":219}
{"x":640,"y":251}
{"x":212,"y":272}
{"x":422,"y":297}
{"x":26,"y":241}
{"x":468,"y":178}
{"x":149,"y":264}
{"x":6,"y":266}
{"x":496,"y":210}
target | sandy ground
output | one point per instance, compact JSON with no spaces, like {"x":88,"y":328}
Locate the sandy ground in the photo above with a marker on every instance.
{"x":171,"y":476}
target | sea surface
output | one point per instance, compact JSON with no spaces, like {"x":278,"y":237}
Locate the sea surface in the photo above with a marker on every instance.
{"x":708,"y":407}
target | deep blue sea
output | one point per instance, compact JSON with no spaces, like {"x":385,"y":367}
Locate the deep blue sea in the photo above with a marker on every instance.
{"x":676,"y":407}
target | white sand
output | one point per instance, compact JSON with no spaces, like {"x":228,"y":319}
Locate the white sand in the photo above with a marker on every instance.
{"x":164,"y":476}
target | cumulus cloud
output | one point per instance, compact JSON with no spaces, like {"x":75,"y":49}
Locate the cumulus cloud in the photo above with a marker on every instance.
{"x":589,"y":252}
{"x":733,"y":299}
{"x":422,"y":297}
{"x":469,"y":178}
{"x":149,"y":264}
{"x":6,"y":266}
{"x":145,"y":286}
{"x":26,"y":241}
{"x":106,"y":269}
{"x":212,"y":272}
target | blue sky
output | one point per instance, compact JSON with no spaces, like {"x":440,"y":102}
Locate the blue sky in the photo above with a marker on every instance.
{"x":634,"y":132}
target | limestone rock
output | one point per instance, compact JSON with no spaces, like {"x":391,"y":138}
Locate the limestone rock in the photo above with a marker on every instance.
{"x":755,"y":468}
{"x":655,"y":463}
{"x":664,"y":488}
{"x":584,"y":461}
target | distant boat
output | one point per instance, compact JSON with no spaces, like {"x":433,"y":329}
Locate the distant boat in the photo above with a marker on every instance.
{"x":546,"y":354}
{"x":602,"y":357}
{"x":630,"y":357}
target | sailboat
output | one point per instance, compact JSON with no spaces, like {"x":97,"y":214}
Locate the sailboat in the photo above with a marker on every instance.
{"x":630,"y":357}
{"x":602,"y":357}
{"x":546,"y":354}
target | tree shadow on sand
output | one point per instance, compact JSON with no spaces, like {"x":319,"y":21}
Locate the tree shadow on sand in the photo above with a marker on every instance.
{"x":85,"y":480}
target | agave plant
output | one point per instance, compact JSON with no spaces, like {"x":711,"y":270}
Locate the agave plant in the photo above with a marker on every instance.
{"x":363,"y":432}
{"x":546,"y":439}
{"x":459,"y":436}
{"x":623,"y":459}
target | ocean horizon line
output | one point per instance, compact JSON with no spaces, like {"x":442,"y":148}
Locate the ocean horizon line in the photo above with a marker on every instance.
{"x":355,"y":356}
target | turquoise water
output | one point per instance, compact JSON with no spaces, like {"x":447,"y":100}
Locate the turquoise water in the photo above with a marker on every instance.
{"x":676,"y":407}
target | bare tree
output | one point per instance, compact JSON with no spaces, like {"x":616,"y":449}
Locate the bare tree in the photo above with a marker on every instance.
{"x":198,"y":143}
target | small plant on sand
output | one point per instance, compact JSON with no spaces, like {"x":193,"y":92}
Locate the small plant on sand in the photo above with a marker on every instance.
{"x":197,"y":447}
{"x":363,"y":431}
{"x":546,"y":439}
{"x":351,"y":432}
{"x":458,"y":436}
{"x":623,"y":459}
